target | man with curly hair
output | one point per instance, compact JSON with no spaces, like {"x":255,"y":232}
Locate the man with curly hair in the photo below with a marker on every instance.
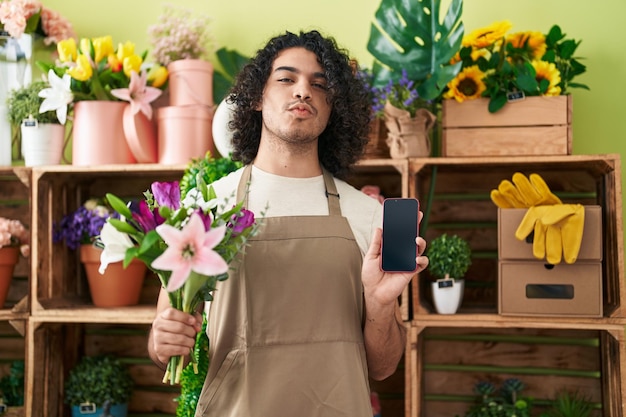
{"x":308,"y":315}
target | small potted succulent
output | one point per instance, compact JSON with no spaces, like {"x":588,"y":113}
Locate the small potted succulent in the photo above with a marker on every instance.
{"x":42,"y":134}
{"x":99,"y":385}
{"x":449,"y":259}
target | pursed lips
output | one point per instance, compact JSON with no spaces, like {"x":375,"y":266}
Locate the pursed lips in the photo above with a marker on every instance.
{"x":301,"y":108}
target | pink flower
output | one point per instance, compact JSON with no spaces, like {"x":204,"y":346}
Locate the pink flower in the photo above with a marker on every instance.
{"x":190,"y":249}
{"x":55,"y":26}
{"x":138,"y":93}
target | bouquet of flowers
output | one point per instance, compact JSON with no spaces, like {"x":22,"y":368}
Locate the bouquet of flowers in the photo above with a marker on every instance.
{"x":186,"y":237}
{"x":13,"y":233}
{"x":96,"y":70}
{"x":30,"y":16}
{"x":506,"y":67}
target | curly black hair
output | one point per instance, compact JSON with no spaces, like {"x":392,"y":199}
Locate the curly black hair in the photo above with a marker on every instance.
{"x":343,"y":141}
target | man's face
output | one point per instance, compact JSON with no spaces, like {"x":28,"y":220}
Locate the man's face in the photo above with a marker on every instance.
{"x":294,"y":104}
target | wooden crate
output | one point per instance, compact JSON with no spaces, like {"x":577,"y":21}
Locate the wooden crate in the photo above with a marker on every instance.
{"x":55,"y":348}
{"x":59,"y":286}
{"x":457,"y":190}
{"x":532,"y":126}
{"x":15,"y":204}
{"x":445,"y":363}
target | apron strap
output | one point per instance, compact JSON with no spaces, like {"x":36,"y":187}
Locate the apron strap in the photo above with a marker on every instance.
{"x":329,"y":183}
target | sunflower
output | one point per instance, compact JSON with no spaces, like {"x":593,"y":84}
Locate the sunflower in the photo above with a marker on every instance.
{"x":481,"y":38}
{"x":547,"y":71}
{"x":532,"y":42}
{"x":467,"y":85}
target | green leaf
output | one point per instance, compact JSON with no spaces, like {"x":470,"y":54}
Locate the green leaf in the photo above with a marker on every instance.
{"x":122,"y":226}
{"x":231,"y":63}
{"x":410,"y":35}
{"x":118,"y":205}
{"x":496,"y":102}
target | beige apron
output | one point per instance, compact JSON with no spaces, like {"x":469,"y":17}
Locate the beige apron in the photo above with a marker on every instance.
{"x":285,"y":329}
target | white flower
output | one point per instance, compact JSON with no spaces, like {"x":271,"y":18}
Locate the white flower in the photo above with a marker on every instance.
{"x":58,"y":96}
{"x":115,"y":245}
{"x":194,"y":199}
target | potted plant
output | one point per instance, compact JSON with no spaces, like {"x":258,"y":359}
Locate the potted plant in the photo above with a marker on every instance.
{"x":14,"y":238}
{"x":570,"y":404}
{"x":506,"y":402}
{"x":96,"y":383}
{"x":449,"y":259}
{"x":12,"y":390}
{"x":42,"y":133}
{"x":79,"y":230}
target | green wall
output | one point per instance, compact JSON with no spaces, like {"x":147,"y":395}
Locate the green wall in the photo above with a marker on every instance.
{"x":599,"y":120}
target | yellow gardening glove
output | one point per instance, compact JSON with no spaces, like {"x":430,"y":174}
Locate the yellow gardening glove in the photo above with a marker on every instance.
{"x":531,"y":222}
{"x":557,"y":230}
{"x":523,"y":192}
{"x":507,"y":196}
{"x":565,"y":224}
{"x":534,"y":191}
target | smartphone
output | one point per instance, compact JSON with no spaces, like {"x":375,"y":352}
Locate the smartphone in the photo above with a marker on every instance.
{"x":400,"y":229}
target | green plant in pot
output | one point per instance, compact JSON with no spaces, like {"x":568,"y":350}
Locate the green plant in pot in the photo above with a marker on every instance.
{"x":41,"y":134}
{"x":449,"y":259}
{"x":97,"y":384}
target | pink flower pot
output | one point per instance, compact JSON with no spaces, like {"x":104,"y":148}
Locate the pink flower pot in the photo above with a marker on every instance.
{"x":98,"y":134}
{"x":184,"y":132}
{"x":191,"y":82}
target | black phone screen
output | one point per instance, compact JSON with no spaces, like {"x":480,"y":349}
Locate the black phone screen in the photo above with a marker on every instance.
{"x":400,"y":228}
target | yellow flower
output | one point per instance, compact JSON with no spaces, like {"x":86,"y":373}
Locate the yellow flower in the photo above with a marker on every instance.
{"x":481,"y":38}
{"x":103,"y":47}
{"x":157,"y":75}
{"x":467,"y":85}
{"x":67,"y":50}
{"x":132,"y":63}
{"x":82,"y":71}
{"x":125,"y":50}
{"x":534,"y":43}
{"x":85,"y":46}
{"x":547,"y":71}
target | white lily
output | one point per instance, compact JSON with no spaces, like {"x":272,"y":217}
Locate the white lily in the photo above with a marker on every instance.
{"x":57,"y":96}
{"x":115,"y":245}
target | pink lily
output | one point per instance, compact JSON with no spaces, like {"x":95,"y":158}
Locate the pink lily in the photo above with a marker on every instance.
{"x":138,"y":94}
{"x":190,"y":249}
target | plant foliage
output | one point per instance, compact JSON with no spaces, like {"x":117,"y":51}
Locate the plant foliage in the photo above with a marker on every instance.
{"x":12,"y":385}
{"x":570,"y":404}
{"x":449,"y":255}
{"x":507,"y":402}
{"x":409,"y":34}
{"x":231,"y":63}
{"x":25,"y":101}
{"x":97,"y":379}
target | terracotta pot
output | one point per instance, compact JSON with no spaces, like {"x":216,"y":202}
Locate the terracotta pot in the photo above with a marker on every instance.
{"x":9,"y":255}
{"x":184,"y":132}
{"x":408,"y":136}
{"x":98,"y":134}
{"x":42,"y":143}
{"x":191,"y":83}
{"x":118,"y":286}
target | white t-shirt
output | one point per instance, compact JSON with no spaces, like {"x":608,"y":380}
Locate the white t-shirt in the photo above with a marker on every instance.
{"x":276,"y":196}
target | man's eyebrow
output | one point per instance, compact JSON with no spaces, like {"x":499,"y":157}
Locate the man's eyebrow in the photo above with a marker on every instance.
{"x":297,"y":71}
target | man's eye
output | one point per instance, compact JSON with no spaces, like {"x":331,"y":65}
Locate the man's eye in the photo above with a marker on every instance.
{"x":320,"y":86}
{"x":285,"y":80}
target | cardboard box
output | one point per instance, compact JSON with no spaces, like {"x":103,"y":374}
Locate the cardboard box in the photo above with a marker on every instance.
{"x":510,"y":248}
{"x":532,"y":126}
{"x":538,"y":289}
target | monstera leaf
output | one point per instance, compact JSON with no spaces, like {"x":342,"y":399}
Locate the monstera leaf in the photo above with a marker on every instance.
{"x":409,"y":34}
{"x":231,"y":62}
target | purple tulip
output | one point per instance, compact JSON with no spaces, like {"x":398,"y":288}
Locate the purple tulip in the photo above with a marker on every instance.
{"x":167,"y":194}
{"x":241,"y":221}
